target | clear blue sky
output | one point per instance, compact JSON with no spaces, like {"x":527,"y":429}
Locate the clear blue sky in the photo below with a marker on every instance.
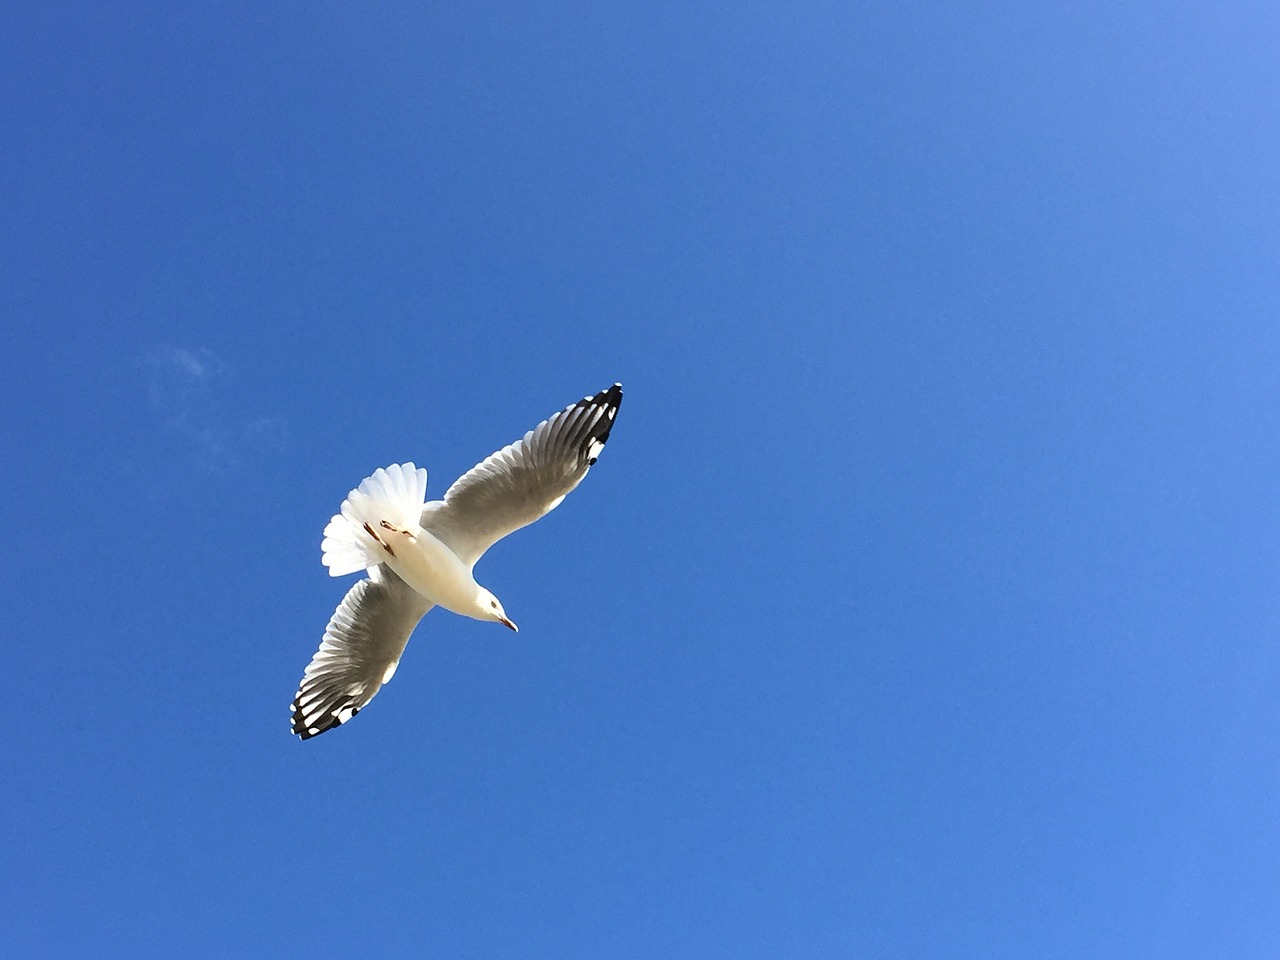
{"x":924,"y":603}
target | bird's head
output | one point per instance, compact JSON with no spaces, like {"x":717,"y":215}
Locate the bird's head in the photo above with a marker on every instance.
{"x":491,"y":609}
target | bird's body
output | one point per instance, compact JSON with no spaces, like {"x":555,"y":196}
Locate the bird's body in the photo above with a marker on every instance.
{"x":420,"y":555}
{"x":435,"y":571}
{"x":381,"y":522}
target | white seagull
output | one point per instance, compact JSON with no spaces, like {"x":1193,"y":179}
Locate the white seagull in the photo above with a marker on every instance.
{"x":419,"y":555}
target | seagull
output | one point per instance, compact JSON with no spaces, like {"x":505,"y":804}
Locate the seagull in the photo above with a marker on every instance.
{"x":420,"y":555}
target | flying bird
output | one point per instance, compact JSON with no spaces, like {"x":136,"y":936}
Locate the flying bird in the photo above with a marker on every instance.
{"x":421,"y":555}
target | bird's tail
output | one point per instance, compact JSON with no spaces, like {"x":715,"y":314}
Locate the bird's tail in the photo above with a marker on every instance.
{"x":392,"y":496}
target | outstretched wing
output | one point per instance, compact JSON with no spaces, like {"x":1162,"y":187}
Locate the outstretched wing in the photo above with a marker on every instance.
{"x":524,"y":480}
{"x":361,"y":648}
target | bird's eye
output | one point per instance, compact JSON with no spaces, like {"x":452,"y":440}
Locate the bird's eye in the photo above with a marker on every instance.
{"x":494,"y":604}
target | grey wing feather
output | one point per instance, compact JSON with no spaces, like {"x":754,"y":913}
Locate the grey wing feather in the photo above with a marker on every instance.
{"x":362,"y":645}
{"x":524,"y":480}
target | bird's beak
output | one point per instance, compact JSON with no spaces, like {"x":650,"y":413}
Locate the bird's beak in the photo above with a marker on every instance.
{"x":510,"y":624}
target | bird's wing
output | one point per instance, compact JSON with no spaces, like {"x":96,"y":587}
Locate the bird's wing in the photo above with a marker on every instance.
{"x":524,"y":480}
{"x":361,"y":648}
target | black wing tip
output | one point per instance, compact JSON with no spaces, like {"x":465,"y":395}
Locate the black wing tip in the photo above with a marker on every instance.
{"x":323,"y":724}
{"x":611,"y":397}
{"x":598,"y":435}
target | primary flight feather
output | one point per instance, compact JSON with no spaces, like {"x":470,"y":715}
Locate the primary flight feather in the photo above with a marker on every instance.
{"x":419,"y":555}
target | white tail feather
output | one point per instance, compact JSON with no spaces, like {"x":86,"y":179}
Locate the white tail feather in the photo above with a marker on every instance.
{"x":394,"y":495}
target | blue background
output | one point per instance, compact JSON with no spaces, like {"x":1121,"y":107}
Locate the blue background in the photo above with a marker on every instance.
{"x":923,"y":604}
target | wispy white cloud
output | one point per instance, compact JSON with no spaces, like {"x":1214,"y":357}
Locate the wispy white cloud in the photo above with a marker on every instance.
{"x":198,"y":365}
{"x":192,"y":393}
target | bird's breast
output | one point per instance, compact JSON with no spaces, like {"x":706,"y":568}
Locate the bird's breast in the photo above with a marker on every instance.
{"x":431,"y":568}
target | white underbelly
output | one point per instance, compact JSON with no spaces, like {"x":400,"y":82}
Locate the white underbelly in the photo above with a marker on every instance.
{"x":431,"y":568}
